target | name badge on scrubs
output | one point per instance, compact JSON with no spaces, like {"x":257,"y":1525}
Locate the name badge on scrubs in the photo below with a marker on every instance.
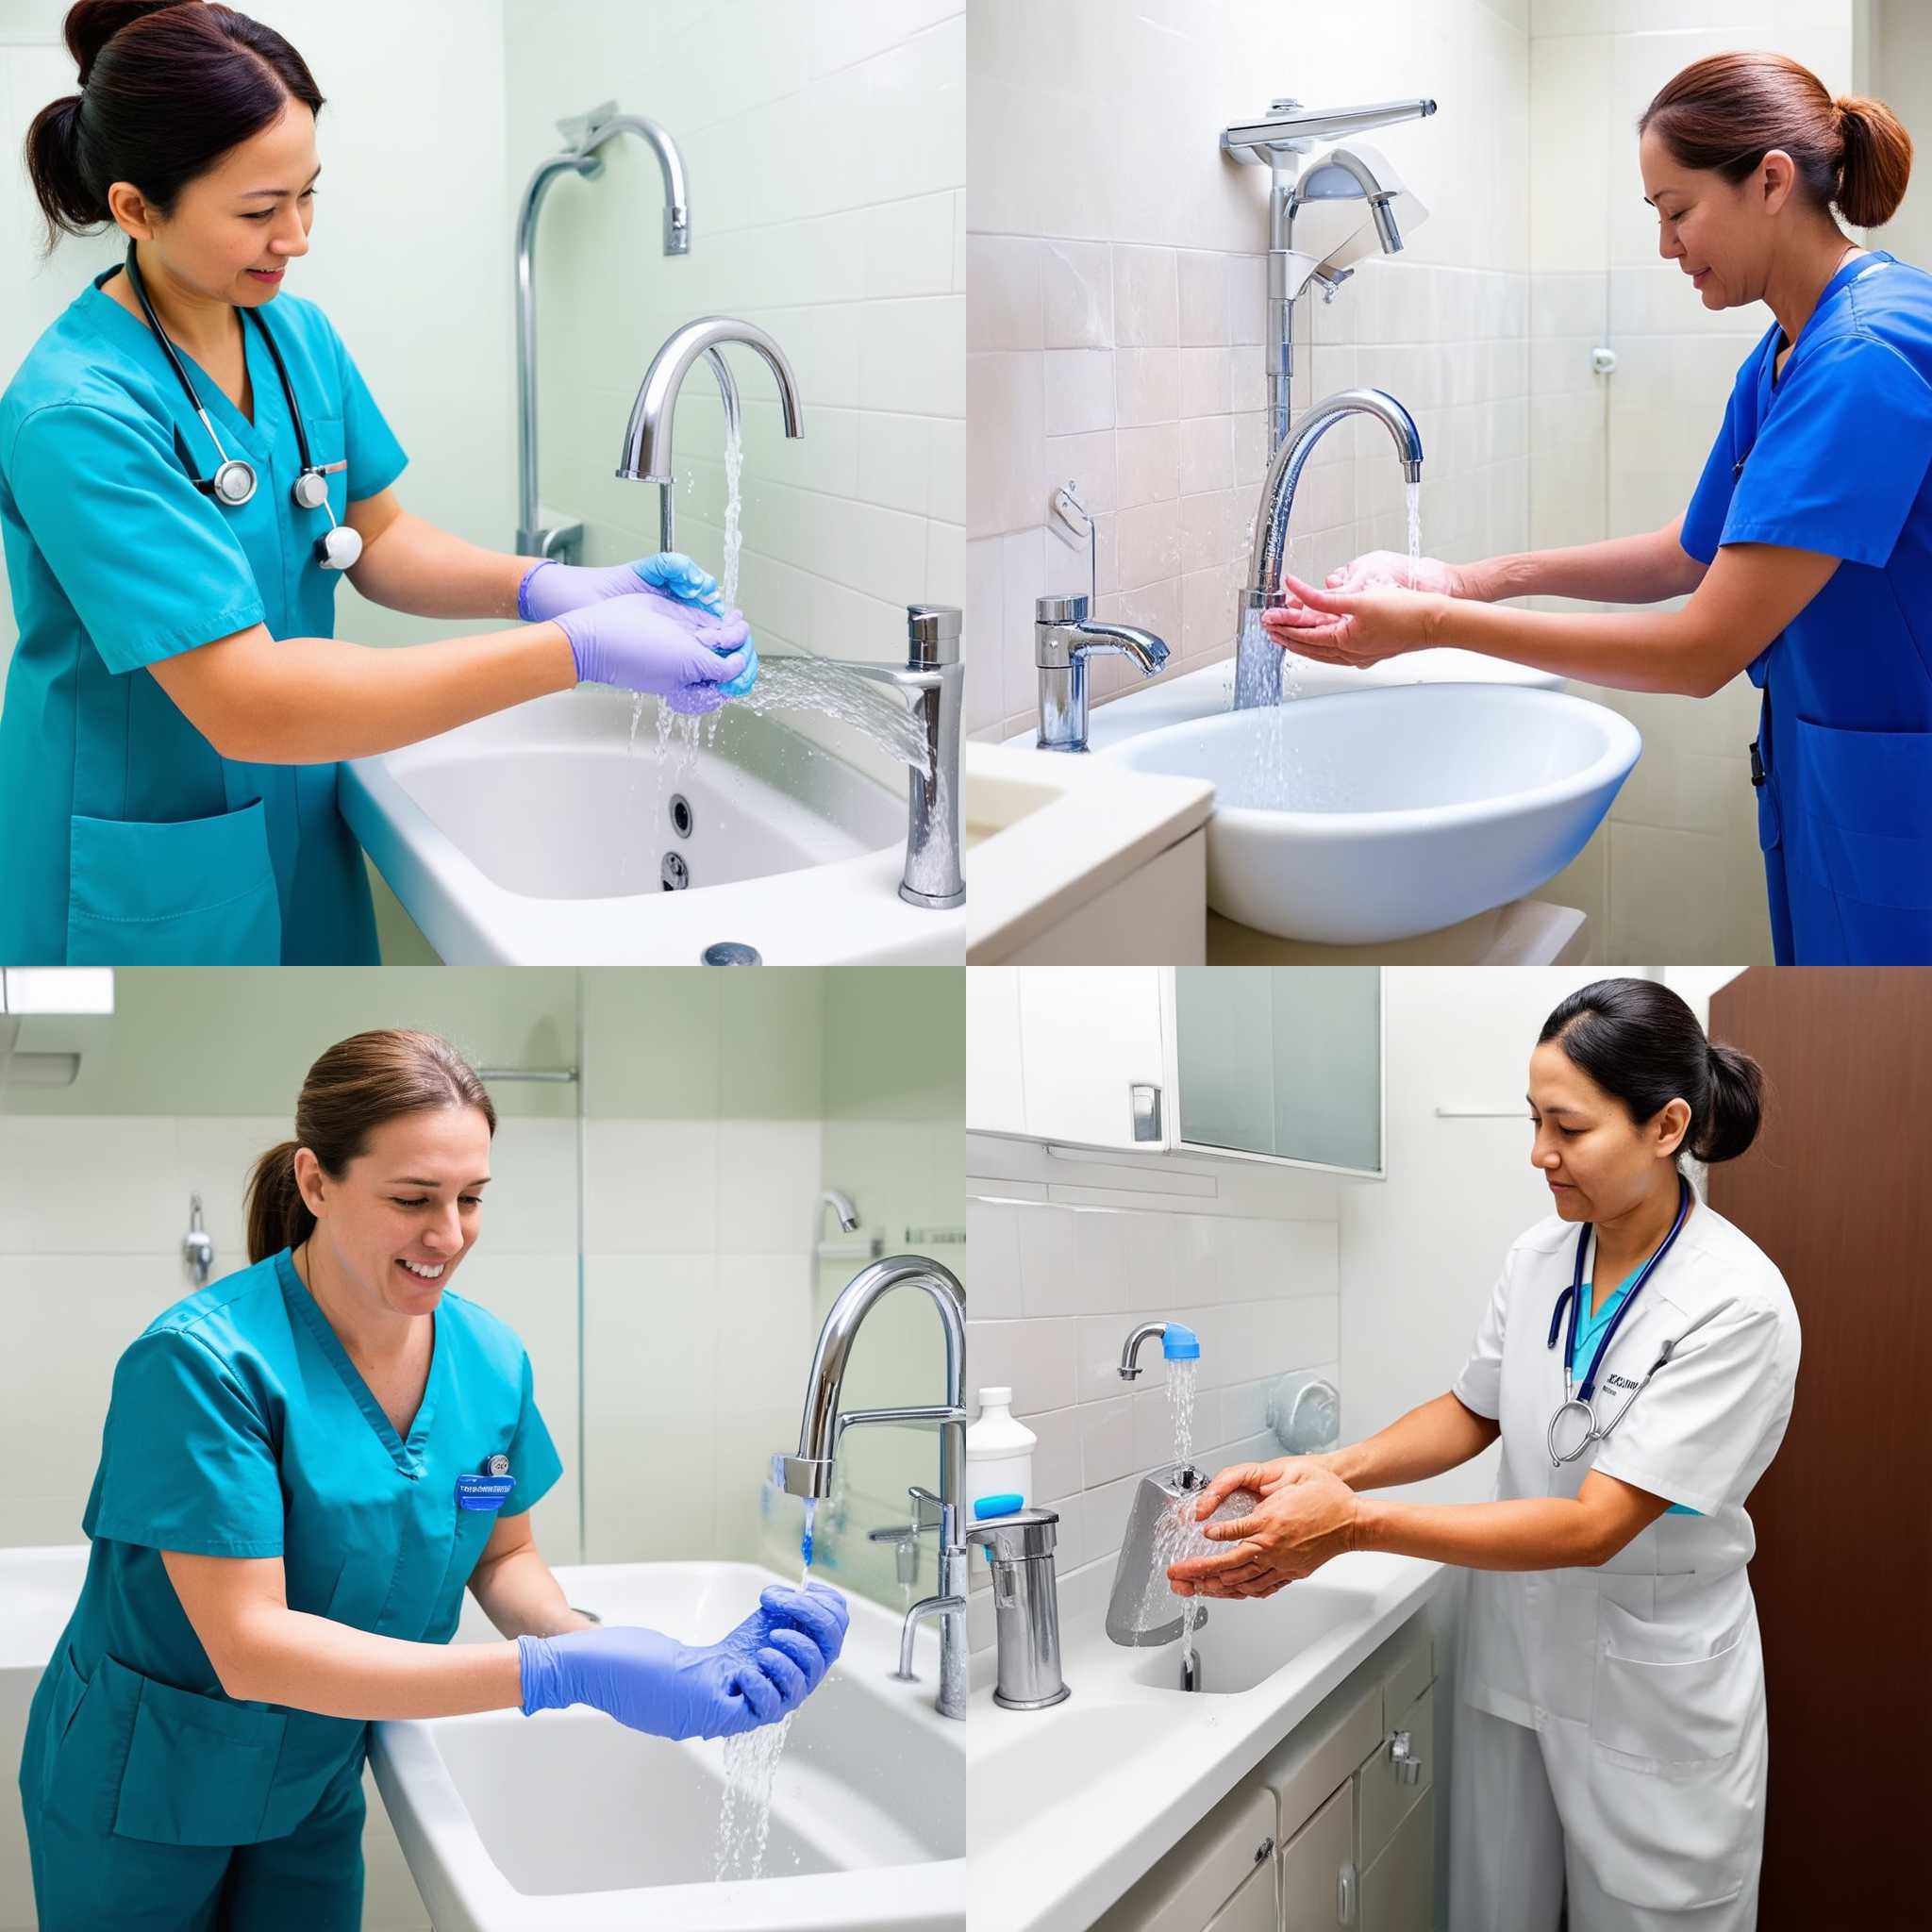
{"x":488,"y":1491}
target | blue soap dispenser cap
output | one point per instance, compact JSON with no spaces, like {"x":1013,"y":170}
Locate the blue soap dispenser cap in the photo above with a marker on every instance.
{"x":1180,"y":1343}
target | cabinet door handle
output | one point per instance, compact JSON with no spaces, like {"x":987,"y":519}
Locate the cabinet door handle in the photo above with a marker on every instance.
{"x":1407,"y":1766}
{"x":1143,"y":1102}
{"x":1345,"y":1896}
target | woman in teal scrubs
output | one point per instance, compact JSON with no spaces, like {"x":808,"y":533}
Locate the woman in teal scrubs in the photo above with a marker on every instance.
{"x":303,"y":1468}
{"x":1805,"y":551}
{"x":177,"y":702}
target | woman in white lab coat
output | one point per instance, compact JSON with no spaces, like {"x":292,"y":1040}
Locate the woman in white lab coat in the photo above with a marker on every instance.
{"x":1611,"y":1737}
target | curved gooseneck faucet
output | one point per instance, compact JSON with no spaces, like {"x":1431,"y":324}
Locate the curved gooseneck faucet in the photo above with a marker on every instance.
{"x":587,"y":135}
{"x":647,"y":457}
{"x":1258,"y":660}
{"x":809,"y":1472}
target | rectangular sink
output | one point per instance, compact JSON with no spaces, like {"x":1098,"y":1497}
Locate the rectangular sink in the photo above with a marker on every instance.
{"x":1242,"y":1643}
{"x":568,"y":1820}
{"x":546,"y":835}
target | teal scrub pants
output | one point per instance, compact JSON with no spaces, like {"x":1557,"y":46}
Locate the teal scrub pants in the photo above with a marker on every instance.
{"x":308,"y":1880}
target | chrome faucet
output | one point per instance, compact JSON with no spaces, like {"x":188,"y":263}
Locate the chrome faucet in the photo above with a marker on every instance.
{"x":585,"y":136}
{"x":809,"y":1472}
{"x":932,"y":677}
{"x":1279,"y":142}
{"x":1063,"y":640}
{"x":647,"y":436}
{"x":1025,"y":1607}
{"x":1130,"y":1349}
{"x":1258,"y":658}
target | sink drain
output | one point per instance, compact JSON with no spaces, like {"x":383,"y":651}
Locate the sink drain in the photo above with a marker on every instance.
{"x":730,"y":952}
{"x":681,"y":820}
{"x":675,"y":873}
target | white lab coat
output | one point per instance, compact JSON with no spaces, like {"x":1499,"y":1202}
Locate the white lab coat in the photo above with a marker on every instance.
{"x":1632,"y":1752}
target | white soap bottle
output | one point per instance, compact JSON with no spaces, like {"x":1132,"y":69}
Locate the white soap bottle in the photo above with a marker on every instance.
{"x":999,"y":1459}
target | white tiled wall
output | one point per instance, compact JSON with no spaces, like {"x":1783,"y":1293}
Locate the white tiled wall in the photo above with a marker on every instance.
{"x":1068,"y":1258}
{"x":826,"y":148}
{"x":1116,"y":300}
{"x":1674,"y":871}
{"x":697,"y":1304}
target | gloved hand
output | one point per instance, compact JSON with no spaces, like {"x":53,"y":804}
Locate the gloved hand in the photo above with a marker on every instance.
{"x":549,"y":589}
{"x":694,"y":700}
{"x":630,"y":640}
{"x":762,"y":1671}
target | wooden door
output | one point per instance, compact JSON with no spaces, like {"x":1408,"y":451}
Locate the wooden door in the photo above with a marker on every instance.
{"x":1837,"y":1191}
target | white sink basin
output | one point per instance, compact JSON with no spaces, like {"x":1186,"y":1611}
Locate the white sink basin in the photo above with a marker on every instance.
{"x":538,"y":837}
{"x":1376,"y":815}
{"x":569,"y":1821}
{"x":1068,"y":1807}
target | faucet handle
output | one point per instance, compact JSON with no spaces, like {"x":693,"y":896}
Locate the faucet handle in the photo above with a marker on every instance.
{"x":920,"y":1499}
{"x":1014,"y":1539}
{"x":1066,"y":608}
{"x":932,"y":635}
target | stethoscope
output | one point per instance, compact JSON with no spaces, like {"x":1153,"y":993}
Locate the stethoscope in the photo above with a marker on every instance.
{"x":1576,"y":1404}
{"x":233,"y":482}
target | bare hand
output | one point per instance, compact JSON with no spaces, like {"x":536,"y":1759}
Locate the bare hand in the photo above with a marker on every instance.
{"x":1355,"y":627}
{"x":1259,"y":1478}
{"x":1378,"y":570}
{"x":1306,"y":1518}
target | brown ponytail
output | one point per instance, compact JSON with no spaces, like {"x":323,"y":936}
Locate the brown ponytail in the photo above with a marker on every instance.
{"x":353,"y":1089}
{"x":167,"y":87}
{"x":1877,"y":164}
{"x":1726,"y":112}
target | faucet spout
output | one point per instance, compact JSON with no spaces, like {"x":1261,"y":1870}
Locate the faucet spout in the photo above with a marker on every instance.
{"x":1063,"y":640}
{"x":1258,"y":661}
{"x":1130,"y":1349}
{"x":809,"y":1472}
{"x":647,"y":447}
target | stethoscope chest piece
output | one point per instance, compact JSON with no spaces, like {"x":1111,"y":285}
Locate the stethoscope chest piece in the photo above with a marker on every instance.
{"x":233,"y":483}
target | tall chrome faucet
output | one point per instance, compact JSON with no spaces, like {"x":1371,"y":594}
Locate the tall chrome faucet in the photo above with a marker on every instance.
{"x":1063,"y":640}
{"x":809,"y":1472}
{"x":1258,"y":658}
{"x":585,"y":136}
{"x":646,"y":455}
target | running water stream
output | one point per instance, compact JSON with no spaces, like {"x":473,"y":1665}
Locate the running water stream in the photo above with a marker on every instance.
{"x":751,"y":1770}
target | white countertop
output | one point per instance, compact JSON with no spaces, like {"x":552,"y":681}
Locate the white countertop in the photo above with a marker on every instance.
{"x":1067,"y":1807}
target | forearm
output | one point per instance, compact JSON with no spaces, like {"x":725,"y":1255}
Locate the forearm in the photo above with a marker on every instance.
{"x":520,"y":1595}
{"x":315,"y":700}
{"x":1642,"y":569}
{"x":413,"y":566}
{"x":1439,"y":1435}
{"x":312,"y":1663}
{"x":1656,"y":651}
{"x":1537,"y":1533}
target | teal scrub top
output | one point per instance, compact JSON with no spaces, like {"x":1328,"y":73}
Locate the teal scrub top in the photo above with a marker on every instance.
{"x":1591,"y":1325}
{"x":239,"y":1428}
{"x":126,"y":838}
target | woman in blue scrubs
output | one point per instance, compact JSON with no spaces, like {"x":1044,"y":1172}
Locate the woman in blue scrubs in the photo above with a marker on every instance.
{"x":303,"y":1468}
{"x":177,"y":702}
{"x":1806,"y":548}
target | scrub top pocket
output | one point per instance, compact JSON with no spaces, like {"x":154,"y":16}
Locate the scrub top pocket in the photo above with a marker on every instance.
{"x":196,"y":892}
{"x":197,"y":1770}
{"x":1860,"y":835}
{"x":472,"y":1532}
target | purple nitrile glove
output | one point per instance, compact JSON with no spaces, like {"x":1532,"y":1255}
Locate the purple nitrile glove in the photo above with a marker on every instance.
{"x":549,"y":589}
{"x":697,"y":700}
{"x":632,"y":641}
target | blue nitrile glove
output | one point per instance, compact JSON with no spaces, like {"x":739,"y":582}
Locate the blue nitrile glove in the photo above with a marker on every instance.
{"x":631,"y":641}
{"x":694,"y":700}
{"x":549,"y":589}
{"x":807,"y":1624}
{"x":762,"y":1671}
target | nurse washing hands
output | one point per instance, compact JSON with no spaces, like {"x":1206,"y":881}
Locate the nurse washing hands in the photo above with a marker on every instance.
{"x":190,"y":464}
{"x":303,"y":1467}
{"x":1806,"y":550}
{"x":1636,"y":1360}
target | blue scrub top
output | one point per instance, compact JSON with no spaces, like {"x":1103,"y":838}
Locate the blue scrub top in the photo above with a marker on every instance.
{"x":1834,"y":454}
{"x":126,"y":838}
{"x":1591,"y":1325}
{"x":239,"y":1428}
